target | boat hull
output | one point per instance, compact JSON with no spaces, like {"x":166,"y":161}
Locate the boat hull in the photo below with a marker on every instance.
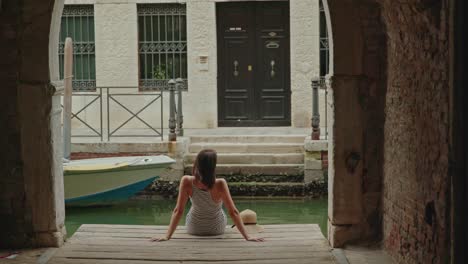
{"x":113,"y":182}
{"x":112,"y":196}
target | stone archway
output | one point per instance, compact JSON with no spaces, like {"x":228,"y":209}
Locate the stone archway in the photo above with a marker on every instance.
{"x":390,"y":149}
{"x":32,"y":205}
{"x":38,"y":219}
{"x":358,"y":89}
{"x":373,"y":122}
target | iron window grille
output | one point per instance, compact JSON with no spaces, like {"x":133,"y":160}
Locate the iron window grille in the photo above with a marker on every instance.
{"x":324,"y":48}
{"x":78,"y":23}
{"x":162,"y":45}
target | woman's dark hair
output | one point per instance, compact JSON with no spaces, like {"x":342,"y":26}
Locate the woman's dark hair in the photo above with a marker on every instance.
{"x":204,"y":167}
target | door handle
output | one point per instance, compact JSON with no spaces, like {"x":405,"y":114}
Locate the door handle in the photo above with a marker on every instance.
{"x":272,"y":72}
{"x":236,"y":72}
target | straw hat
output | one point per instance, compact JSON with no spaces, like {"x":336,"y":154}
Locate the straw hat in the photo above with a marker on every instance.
{"x":249,"y":218}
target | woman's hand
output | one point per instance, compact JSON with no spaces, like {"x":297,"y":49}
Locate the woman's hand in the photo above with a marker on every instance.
{"x":159,"y":239}
{"x":256,"y":239}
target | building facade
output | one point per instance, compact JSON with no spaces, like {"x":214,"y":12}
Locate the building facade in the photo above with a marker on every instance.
{"x":247,"y":63}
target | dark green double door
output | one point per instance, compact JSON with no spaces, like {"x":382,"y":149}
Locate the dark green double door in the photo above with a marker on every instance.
{"x":253,"y":64}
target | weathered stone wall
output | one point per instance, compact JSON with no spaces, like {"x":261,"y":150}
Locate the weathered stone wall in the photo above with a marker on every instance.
{"x":356,"y":121}
{"x":11,"y":178}
{"x":416,"y":186}
{"x":371,"y":97}
{"x":31,"y":198}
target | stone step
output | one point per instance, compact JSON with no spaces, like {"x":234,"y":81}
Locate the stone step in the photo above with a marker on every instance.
{"x":255,"y":169}
{"x":253,"y":158}
{"x":263,"y":178}
{"x":249,"y":147}
{"x":248,"y":139}
{"x":267,"y":189}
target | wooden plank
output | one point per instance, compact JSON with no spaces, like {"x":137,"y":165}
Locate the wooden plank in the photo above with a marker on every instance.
{"x":185,"y":240}
{"x":197,"y":244}
{"x":314,"y":260}
{"x":175,"y":255}
{"x":194,"y":250}
{"x":109,"y":244}
{"x":237,"y":243}
{"x":230,"y":231}
{"x":183,"y":229}
{"x":149,"y":235}
{"x":182,"y":226}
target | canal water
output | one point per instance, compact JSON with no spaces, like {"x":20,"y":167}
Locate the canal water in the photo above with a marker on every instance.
{"x":158,"y":212}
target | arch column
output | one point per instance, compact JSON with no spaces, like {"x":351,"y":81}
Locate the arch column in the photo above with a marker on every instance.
{"x":31,"y":199}
{"x":356,"y":120}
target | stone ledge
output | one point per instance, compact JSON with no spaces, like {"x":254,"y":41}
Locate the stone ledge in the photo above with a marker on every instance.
{"x":312,"y":164}
{"x":315,"y":145}
{"x":313,"y":176}
{"x":339,"y":235}
{"x":260,"y":189}
{"x":178,"y":148}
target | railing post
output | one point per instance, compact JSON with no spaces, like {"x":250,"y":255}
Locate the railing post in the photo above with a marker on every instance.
{"x":67,"y":97}
{"x":172,"y":110}
{"x":180,"y":116}
{"x":315,"y":110}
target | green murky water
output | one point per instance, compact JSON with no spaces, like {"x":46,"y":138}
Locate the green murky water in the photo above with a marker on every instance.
{"x":158,"y":212}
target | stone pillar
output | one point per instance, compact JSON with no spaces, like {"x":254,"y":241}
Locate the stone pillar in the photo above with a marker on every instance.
{"x":202,"y":65}
{"x":345,"y":161}
{"x":305,"y":62}
{"x":31,"y":195}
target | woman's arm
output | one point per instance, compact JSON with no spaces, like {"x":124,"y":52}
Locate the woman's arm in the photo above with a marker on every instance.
{"x":234,"y":213}
{"x":178,"y":210}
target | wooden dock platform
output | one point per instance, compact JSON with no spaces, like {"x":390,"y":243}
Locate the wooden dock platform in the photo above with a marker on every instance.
{"x":119,"y":244}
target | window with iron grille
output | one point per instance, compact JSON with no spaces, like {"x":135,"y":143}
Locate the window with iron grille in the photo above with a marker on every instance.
{"x":324,"y":48}
{"x":162,"y":44}
{"x":78,"y":23}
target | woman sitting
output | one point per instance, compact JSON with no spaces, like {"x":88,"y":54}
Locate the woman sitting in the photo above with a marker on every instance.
{"x":207,"y":195}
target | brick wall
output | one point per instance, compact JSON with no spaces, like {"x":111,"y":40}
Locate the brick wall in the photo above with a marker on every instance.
{"x":415,"y":168}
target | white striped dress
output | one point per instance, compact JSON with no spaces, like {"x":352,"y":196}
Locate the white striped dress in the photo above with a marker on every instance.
{"x":205,"y":217}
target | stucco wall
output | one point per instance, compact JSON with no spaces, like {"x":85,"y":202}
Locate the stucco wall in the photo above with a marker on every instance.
{"x":305,"y":63}
{"x":117,"y":62}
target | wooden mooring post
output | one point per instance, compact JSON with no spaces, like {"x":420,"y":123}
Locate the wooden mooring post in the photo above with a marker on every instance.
{"x":67,"y":97}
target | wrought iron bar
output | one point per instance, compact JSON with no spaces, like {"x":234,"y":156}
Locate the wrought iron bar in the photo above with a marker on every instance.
{"x":112,"y":97}
{"x":78,"y":23}
{"x":97,"y":131}
{"x":172,"y":110}
{"x":315,"y":110}
{"x":180,"y":115}
{"x":162,"y":44}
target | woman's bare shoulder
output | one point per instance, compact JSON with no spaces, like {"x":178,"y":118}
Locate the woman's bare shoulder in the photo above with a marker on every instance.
{"x":220,"y":183}
{"x":186,"y":179}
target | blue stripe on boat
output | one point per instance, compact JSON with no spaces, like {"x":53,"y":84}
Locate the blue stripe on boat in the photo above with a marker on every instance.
{"x":118,"y":194}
